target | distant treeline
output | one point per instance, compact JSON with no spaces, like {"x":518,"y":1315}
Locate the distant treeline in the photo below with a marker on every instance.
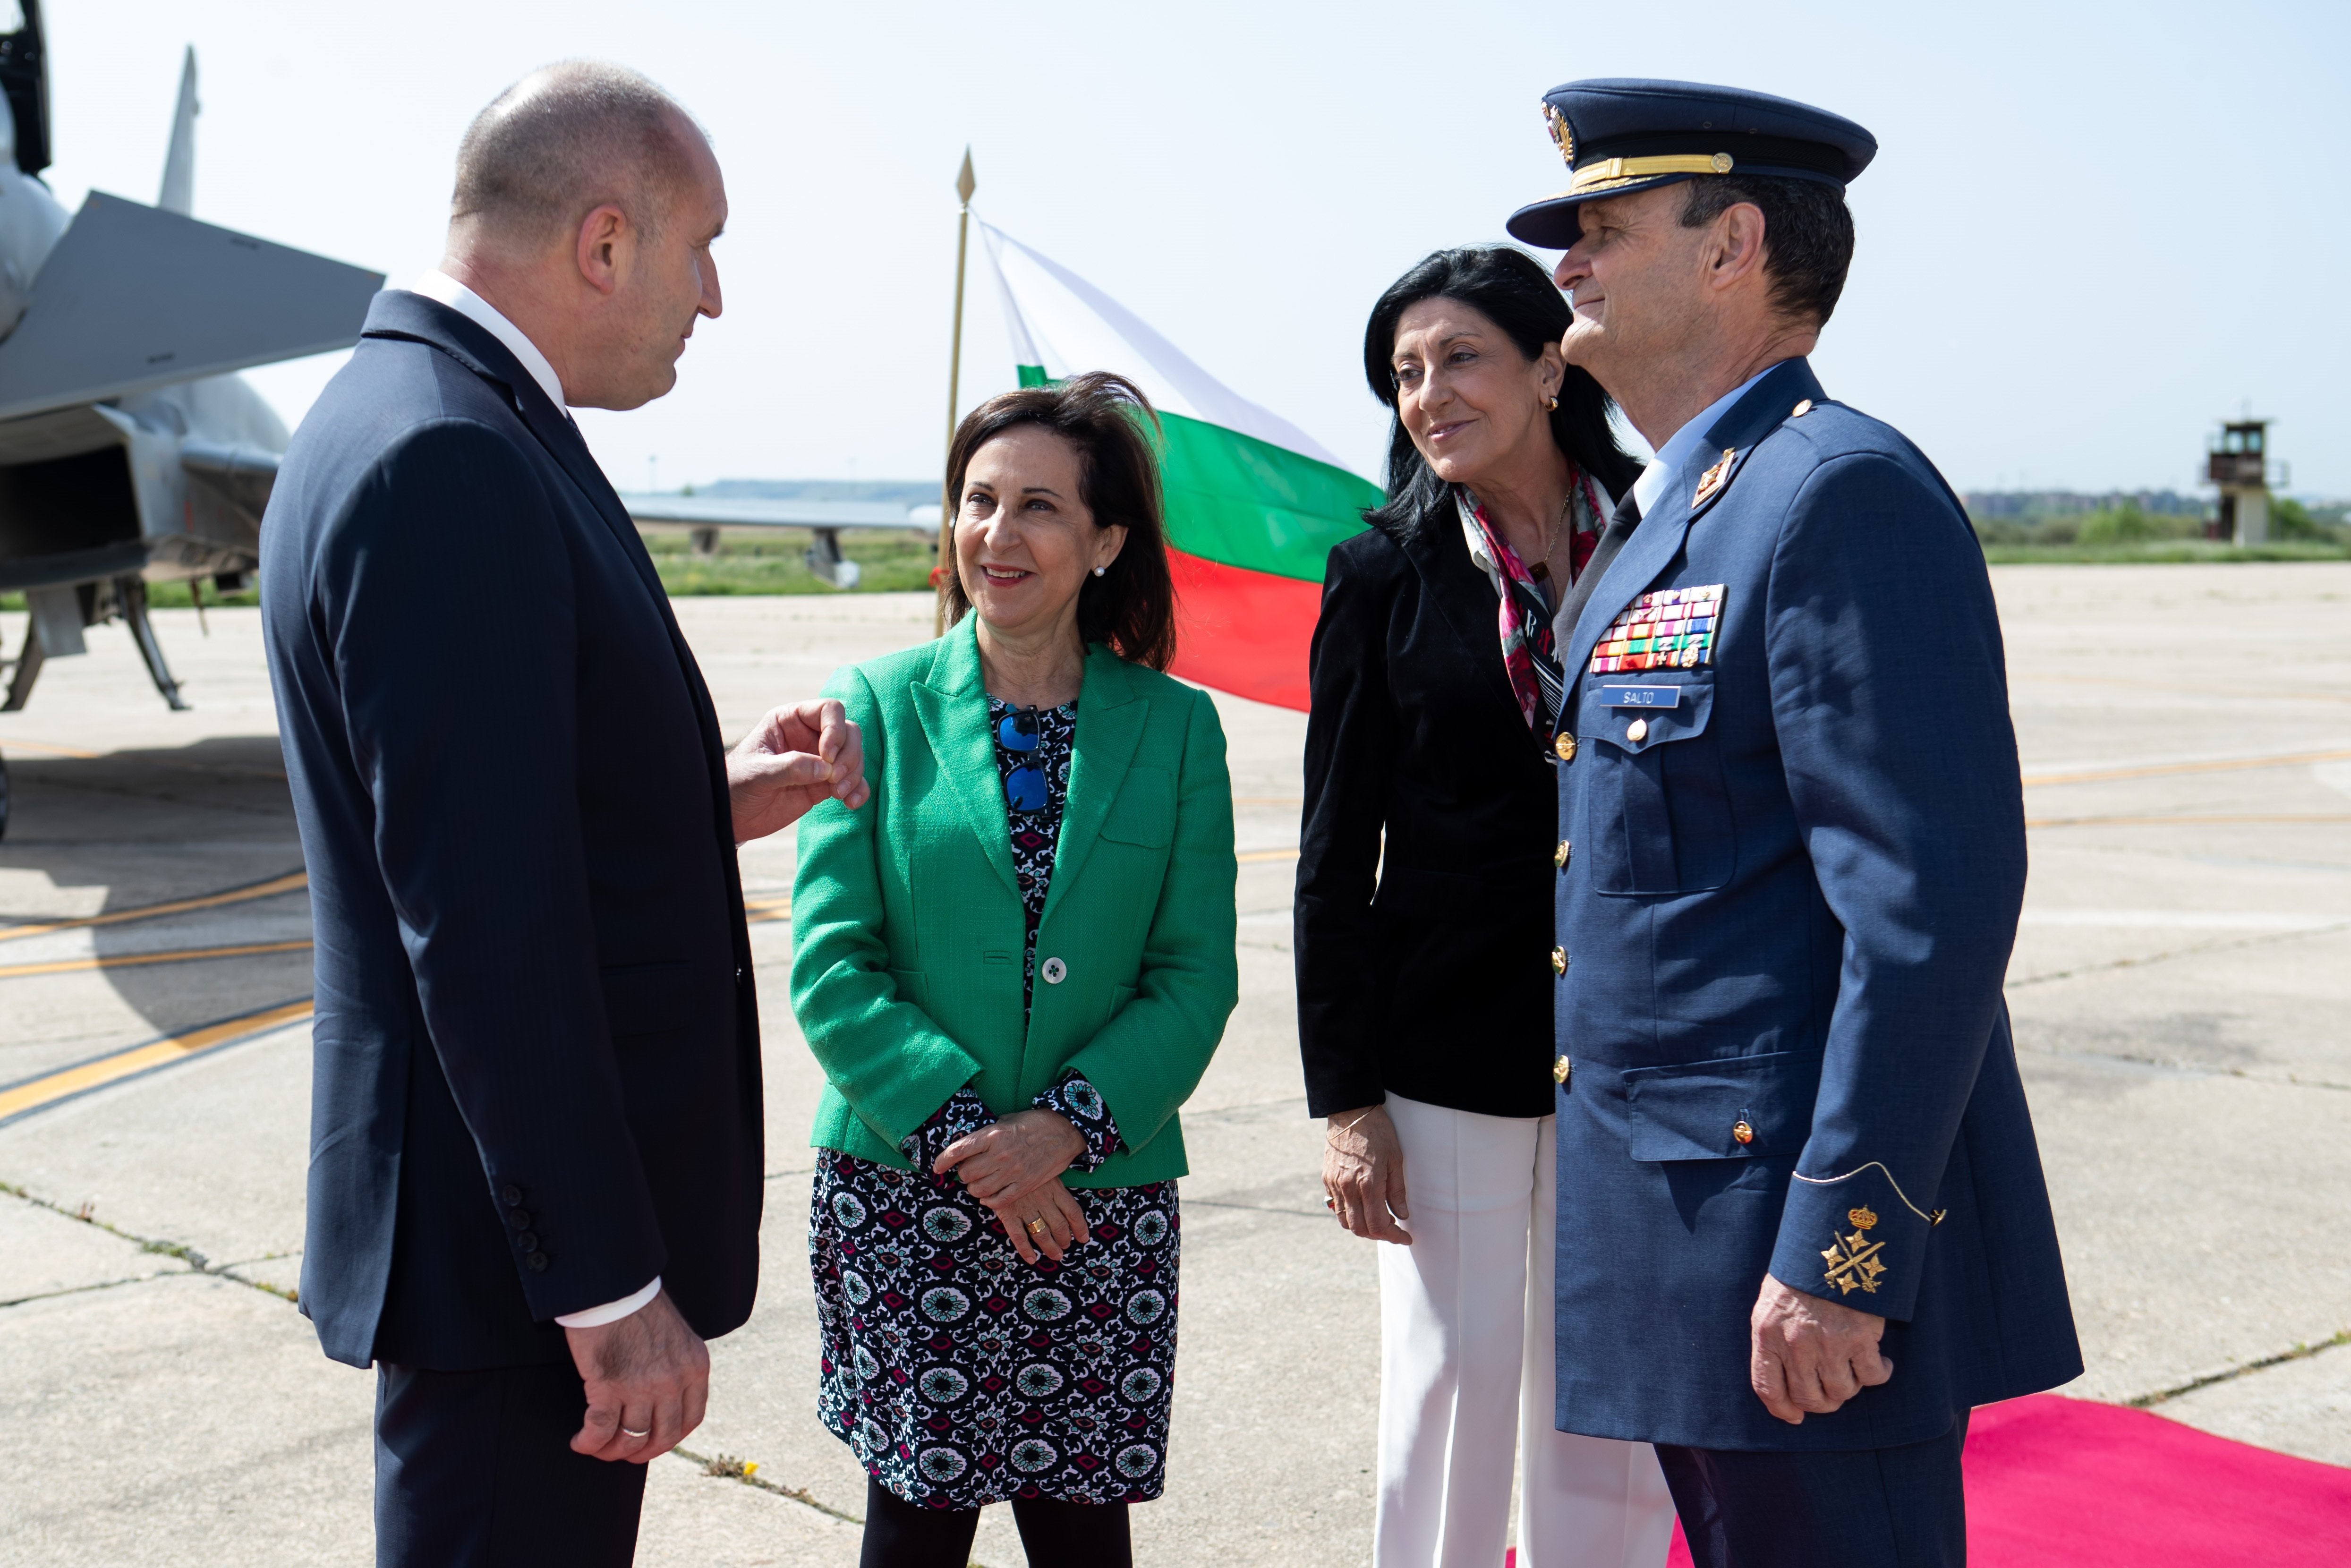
{"x":2129,"y":517}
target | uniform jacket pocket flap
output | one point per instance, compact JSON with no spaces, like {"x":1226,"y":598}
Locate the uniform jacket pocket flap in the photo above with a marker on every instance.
{"x":1683,"y":707}
{"x":1694,"y":1111}
{"x":648,"y":999}
{"x":1144,"y":812}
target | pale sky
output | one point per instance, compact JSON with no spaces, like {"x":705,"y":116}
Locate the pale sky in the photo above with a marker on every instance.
{"x":2092,"y":230}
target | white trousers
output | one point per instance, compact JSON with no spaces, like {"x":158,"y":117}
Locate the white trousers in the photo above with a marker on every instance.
{"x":1467,"y":1374}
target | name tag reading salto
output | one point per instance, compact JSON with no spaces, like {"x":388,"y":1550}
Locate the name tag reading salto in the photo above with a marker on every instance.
{"x":1641,"y":696}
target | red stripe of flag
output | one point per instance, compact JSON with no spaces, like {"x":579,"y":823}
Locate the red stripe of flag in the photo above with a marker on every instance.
{"x":1243,"y":632}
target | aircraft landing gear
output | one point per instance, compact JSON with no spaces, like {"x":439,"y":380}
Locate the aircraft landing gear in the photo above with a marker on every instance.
{"x":29,"y":659}
{"x":98,"y":602}
{"x":130,"y":594}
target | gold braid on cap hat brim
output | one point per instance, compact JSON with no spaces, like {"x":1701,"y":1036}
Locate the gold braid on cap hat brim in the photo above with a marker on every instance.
{"x":1607,"y":173}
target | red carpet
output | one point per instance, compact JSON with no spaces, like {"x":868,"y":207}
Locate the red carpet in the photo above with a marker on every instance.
{"x":2064,"y":1483}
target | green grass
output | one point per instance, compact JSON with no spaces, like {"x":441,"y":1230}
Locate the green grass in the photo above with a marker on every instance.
{"x":769,"y":562}
{"x":892,"y":562}
{"x":898,"y":563}
{"x":2159,"y":552}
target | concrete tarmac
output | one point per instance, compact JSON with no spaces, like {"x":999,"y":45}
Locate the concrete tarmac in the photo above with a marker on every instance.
{"x":2179,"y":989}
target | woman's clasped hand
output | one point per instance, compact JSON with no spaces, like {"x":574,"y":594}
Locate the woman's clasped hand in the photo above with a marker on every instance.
{"x":1014,"y":1166}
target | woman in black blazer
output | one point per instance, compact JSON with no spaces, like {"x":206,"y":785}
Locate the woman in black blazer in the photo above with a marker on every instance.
{"x":1424,"y":912}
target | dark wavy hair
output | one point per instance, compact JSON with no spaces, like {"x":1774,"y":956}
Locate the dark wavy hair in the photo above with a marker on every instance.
{"x":1131,"y":607}
{"x":1512,"y":289}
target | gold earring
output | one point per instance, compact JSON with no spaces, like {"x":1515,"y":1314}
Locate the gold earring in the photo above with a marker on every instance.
{"x":1551,"y":404}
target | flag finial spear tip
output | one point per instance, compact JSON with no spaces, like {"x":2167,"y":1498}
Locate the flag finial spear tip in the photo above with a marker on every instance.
{"x":965,"y":183}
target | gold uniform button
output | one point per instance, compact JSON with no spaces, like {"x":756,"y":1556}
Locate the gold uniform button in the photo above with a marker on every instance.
{"x":1565,"y":746}
{"x":1637,"y":731}
{"x":1558,"y":960}
{"x":1559,"y":856}
{"x":1561,"y":1070}
{"x":1742,"y":1131}
{"x":1802,"y":409}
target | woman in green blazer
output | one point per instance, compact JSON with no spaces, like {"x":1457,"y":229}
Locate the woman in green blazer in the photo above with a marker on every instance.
{"x":1013,"y":963}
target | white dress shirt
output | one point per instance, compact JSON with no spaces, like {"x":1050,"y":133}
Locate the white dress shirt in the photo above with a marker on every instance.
{"x":439,"y":286}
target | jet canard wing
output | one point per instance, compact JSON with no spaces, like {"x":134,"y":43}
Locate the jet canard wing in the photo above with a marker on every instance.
{"x":133,"y":297}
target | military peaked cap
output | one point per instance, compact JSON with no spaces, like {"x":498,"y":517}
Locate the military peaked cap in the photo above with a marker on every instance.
{"x":1622,"y":134}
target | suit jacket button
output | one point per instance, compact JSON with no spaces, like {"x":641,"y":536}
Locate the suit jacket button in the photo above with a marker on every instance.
{"x":1559,"y":856}
{"x":518,"y":1218}
{"x":538,"y":1261}
{"x":1558,"y":960}
{"x":1562,"y":1071}
{"x":1742,"y":1131}
{"x":1055,"y":971}
{"x":511,"y":1196}
{"x":739,"y":974}
{"x":1565,"y":746}
{"x":527,"y":1241}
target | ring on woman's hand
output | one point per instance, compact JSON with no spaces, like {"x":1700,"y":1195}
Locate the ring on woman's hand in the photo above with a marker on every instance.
{"x":646,"y":1433}
{"x":1037,"y":1228}
{"x":1332,"y":1204}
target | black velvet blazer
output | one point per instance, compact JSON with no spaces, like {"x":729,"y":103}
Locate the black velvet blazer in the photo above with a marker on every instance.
{"x":1427,"y":972}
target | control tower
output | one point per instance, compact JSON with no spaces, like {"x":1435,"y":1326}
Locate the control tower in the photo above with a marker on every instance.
{"x":2238,"y":462}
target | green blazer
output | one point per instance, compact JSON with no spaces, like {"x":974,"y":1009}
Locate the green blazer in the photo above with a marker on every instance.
{"x":907,"y":924}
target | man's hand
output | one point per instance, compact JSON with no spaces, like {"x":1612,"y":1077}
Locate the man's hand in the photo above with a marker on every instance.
{"x":1362,"y":1174}
{"x":796,"y":757}
{"x":647,"y":1373}
{"x":1811,"y":1354}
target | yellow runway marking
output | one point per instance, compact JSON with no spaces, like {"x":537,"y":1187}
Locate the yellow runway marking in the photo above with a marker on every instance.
{"x":134,"y":960}
{"x":53,"y":750}
{"x":1249,"y":856}
{"x":270,"y":889}
{"x":2154,"y":685}
{"x":52,"y":1087}
{"x":2179,"y":821}
{"x":2164,"y":769}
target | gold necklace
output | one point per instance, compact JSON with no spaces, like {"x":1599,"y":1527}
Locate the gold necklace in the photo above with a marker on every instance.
{"x":1541,"y":569}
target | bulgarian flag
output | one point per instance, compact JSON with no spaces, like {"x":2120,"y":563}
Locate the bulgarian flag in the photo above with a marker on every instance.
{"x":1254,"y":503}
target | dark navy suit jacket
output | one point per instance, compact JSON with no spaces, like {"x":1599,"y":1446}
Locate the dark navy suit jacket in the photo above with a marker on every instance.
{"x":536,"y":1079}
{"x":1794,"y":880}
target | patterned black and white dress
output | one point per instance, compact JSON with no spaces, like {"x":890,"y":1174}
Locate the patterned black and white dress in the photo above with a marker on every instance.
{"x":959,"y":1374}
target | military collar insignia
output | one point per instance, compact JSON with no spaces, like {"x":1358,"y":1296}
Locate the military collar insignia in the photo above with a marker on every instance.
{"x":1562,"y":137}
{"x":1853,"y":1261}
{"x":1714,"y":478}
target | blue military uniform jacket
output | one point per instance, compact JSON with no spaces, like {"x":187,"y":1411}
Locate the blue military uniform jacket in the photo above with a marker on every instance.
{"x":1795,"y":859}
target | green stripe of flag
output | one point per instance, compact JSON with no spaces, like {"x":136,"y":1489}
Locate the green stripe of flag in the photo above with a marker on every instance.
{"x":1237,"y":500}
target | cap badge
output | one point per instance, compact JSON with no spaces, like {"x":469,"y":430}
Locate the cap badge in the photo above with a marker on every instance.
{"x":1713,"y":479}
{"x":1561,"y":136}
{"x":1853,"y":1261}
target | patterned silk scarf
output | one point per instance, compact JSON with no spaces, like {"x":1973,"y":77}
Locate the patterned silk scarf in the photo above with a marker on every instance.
{"x":1529,"y":656}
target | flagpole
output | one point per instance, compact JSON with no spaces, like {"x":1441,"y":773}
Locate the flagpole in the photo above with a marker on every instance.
{"x":965,"y":186}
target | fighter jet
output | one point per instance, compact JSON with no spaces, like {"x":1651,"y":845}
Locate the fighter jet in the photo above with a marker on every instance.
{"x":131,"y":452}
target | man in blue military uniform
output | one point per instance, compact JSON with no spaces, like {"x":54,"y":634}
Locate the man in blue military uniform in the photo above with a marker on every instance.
{"x":1802,"y":1228}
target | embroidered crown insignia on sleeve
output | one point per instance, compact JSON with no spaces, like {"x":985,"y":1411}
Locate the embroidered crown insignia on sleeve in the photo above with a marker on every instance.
{"x":1853,"y":1261}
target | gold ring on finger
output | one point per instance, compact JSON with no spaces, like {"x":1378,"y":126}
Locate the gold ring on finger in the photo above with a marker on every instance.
{"x":1037,"y":1228}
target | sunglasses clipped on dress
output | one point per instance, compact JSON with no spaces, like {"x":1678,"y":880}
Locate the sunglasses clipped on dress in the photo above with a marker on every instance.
{"x":1024,"y":787}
